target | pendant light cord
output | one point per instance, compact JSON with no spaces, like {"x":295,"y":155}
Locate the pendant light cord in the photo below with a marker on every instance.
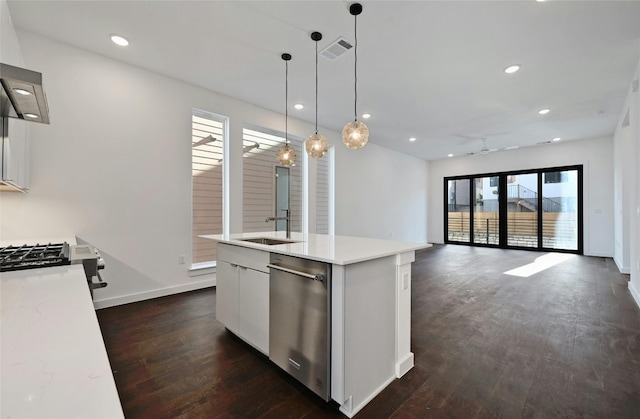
{"x":286,"y":103}
{"x":355,"y":68}
{"x":316,"y":87}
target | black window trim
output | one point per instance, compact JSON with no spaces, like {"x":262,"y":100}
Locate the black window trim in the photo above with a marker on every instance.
{"x":503,"y":208}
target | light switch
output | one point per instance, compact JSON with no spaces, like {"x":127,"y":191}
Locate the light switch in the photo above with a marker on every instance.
{"x":405,"y":281}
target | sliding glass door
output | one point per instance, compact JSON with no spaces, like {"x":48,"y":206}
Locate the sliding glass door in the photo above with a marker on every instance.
{"x":534,"y":209}
{"x":522,"y":210}
{"x":486,"y":211}
{"x":458,"y":210}
{"x":560,"y":209}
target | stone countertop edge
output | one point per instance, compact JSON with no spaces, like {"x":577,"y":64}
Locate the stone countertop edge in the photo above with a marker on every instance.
{"x":339,"y":250}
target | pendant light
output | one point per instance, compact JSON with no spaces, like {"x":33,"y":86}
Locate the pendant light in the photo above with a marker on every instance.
{"x":355,"y":134}
{"x":316,"y":144}
{"x":286,"y":154}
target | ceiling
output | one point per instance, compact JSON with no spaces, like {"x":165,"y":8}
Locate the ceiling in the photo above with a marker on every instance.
{"x":432,"y":70}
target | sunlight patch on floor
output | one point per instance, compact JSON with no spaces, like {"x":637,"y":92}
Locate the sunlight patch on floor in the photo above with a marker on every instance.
{"x":540,"y":264}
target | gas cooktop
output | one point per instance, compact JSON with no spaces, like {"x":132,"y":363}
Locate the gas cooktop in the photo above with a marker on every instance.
{"x":15,"y":258}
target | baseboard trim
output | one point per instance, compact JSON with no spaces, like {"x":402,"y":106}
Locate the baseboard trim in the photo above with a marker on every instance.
{"x":348,"y":409}
{"x":599,"y":254}
{"x":621,"y":268}
{"x":634,"y":293}
{"x":404,"y":366}
{"x":147,"y":295}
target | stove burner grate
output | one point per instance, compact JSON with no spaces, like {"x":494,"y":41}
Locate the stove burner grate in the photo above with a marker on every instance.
{"x":14,"y":258}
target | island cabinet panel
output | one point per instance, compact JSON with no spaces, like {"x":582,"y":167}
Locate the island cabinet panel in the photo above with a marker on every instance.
{"x":253,"y":315}
{"x":227,"y":295}
{"x":242,"y":302}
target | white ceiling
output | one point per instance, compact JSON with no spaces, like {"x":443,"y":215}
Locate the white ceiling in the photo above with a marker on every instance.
{"x":426,"y":69}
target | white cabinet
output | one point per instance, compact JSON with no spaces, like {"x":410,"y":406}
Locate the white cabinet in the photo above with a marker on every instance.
{"x":253,"y":307}
{"x":242,"y":293}
{"x":14,"y":152}
{"x":227,"y":295}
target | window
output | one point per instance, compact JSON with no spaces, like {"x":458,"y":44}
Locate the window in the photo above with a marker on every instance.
{"x":322,"y":194}
{"x":208,"y":133}
{"x":458,"y":209}
{"x":538,"y":209}
{"x":268,"y":187}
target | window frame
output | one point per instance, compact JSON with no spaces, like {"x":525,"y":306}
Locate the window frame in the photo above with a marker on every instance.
{"x":505,"y":177}
{"x":206,"y":267}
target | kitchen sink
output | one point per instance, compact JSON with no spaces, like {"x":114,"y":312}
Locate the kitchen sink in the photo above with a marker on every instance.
{"x":268,"y":241}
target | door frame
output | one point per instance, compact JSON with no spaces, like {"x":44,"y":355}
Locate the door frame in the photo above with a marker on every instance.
{"x":280,"y":225}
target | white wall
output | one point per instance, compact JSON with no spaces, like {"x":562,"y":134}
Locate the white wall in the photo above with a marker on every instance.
{"x":624,"y":169}
{"x":595,"y":154}
{"x":10,"y":51}
{"x":634,"y":260}
{"x":627,"y":183}
{"x":114,"y":168}
{"x":381,"y":193}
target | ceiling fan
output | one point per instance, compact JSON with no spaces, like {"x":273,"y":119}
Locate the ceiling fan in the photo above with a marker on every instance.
{"x":484,"y":149}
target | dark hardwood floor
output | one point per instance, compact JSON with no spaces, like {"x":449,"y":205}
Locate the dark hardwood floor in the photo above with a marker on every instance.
{"x":562,"y":343}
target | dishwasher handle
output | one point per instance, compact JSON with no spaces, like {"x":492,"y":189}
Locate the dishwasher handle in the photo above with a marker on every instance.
{"x":315,"y":277}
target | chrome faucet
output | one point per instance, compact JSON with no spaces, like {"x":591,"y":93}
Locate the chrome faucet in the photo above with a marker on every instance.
{"x":286,"y":218}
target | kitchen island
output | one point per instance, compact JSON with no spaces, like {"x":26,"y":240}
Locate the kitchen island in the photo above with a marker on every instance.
{"x":52,"y":356}
{"x":370,"y":303}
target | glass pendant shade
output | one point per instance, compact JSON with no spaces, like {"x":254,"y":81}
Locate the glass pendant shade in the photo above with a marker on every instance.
{"x":317,"y":145}
{"x":286,"y":155}
{"x":355,"y":135}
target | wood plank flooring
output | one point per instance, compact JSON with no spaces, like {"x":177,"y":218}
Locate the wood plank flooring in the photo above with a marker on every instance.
{"x":564,"y":342}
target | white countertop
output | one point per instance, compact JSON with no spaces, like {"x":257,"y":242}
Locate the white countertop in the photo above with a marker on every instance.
{"x":53,"y":362}
{"x":339,"y":250}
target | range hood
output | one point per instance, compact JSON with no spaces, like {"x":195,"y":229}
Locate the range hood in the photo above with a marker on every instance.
{"x":22,"y":95}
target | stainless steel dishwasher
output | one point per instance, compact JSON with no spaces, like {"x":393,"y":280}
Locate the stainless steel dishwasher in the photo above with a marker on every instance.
{"x":299,"y":320}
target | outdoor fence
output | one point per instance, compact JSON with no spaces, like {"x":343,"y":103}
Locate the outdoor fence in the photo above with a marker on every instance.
{"x":559,"y":229}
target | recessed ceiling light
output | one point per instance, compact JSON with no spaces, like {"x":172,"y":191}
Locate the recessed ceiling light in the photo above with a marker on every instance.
{"x":119,"y":40}
{"x":31,"y":115}
{"x":541,"y":1}
{"x":412,"y":139}
{"x":544,"y":111}
{"x":556,"y":139}
{"x":22,"y":92}
{"x":366,"y":115}
{"x":298,"y":106}
{"x":512,"y":69}
{"x":449,"y":155}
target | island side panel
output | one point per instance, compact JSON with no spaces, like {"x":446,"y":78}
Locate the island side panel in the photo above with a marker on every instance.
{"x":337,"y":334}
{"x":404,"y":356}
{"x":369,"y":331}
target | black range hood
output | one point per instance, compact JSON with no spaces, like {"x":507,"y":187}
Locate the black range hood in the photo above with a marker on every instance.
{"x":22,"y":95}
